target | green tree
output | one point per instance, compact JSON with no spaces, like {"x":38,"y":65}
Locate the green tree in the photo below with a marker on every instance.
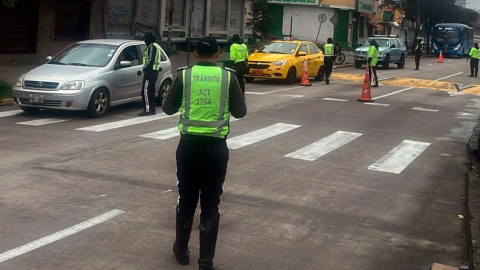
{"x":261,"y":21}
{"x":8,"y":3}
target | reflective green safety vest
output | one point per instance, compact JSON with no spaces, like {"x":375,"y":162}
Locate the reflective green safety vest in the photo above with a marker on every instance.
{"x":475,"y":53}
{"x":329,"y":50}
{"x":419,"y":46}
{"x":205,"y":110}
{"x":373,"y":53}
{"x":158,"y":57}
{"x":238,"y":52}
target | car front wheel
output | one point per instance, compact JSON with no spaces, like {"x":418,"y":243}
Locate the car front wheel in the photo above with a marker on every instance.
{"x":291,"y":76}
{"x":99,"y":103}
{"x":163,"y":92}
{"x":358,"y":64}
{"x":321,"y":74}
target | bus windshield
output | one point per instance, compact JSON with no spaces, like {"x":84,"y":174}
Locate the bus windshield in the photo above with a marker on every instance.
{"x":447,"y":36}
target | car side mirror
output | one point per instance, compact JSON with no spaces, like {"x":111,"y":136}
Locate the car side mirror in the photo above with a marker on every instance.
{"x":49,"y":58}
{"x":302,"y":54}
{"x":125,"y":64}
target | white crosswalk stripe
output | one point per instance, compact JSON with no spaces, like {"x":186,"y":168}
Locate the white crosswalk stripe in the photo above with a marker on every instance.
{"x":42,"y":122}
{"x":10,"y":113}
{"x":324,"y":146}
{"x":126,"y":122}
{"x":400,"y":157}
{"x":169,"y":133}
{"x":259,"y":135}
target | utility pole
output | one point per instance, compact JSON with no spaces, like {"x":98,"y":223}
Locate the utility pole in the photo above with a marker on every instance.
{"x":170,"y":23}
{"x":190,"y":32}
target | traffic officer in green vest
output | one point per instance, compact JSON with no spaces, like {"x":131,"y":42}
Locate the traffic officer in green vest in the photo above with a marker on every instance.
{"x":418,"y":53}
{"x":475,"y":56}
{"x":206,"y":96}
{"x":373,"y":60}
{"x":239,"y":57}
{"x":329,"y":52}
{"x":151,"y":69}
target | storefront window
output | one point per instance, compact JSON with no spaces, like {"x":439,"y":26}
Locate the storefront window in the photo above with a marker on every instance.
{"x":178,"y":13}
{"x":218,"y":15}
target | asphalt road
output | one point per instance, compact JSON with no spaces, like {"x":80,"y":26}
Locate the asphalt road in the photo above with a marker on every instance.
{"x":341,"y":185}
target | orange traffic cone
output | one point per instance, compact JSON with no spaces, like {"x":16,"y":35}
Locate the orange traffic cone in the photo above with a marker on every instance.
{"x":305,"y":79}
{"x":366,"y":94}
{"x":440,"y":57}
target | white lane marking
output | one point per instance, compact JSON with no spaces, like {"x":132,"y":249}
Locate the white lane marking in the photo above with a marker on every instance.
{"x":169,"y":133}
{"x":429,"y":64}
{"x":42,"y":122}
{"x":454,"y":94}
{"x":450,"y":60}
{"x":453,"y":75}
{"x":424,"y":109}
{"x":393,"y":93}
{"x":324,"y":146}
{"x":297,"y":96}
{"x":259,"y":135}
{"x":59,"y":235}
{"x":377,"y":104}
{"x":400,"y":157}
{"x":335,"y":99}
{"x":10,"y":113}
{"x":466,"y":114}
{"x":286,"y":89}
{"x":126,"y":122}
{"x":255,"y":93}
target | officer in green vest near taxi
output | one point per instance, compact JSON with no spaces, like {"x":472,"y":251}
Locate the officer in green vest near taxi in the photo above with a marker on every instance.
{"x":373,"y":60}
{"x":474,"y":57}
{"x":329,"y":52}
{"x":239,"y":57}
{"x":151,"y":69}
{"x":206,"y":96}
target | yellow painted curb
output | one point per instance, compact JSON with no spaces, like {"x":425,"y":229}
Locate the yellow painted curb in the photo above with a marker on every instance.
{"x":6,"y":101}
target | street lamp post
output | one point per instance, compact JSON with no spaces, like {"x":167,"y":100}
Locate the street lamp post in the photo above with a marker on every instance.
{"x":170,"y":23}
{"x":190,"y":32}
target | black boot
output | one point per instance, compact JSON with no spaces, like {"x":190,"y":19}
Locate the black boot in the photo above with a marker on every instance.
{"x":208,"y":241}
{"x":180,"y":246}
{"x":327,"y":81}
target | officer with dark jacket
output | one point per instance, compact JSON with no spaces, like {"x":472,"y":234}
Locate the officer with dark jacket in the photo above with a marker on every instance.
{"x":151,"y":69}
{"x":418,"y":53}
{"x":206,"y":95}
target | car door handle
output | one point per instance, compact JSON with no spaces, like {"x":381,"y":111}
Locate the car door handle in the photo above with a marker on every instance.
{"x":139,"y":73}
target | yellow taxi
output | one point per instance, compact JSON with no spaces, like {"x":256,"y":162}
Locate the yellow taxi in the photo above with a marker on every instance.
{"x":283,"y":60}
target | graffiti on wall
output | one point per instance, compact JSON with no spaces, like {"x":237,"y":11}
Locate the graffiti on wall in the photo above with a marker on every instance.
{"x":146,"y":11}
{"x":118,"y":15}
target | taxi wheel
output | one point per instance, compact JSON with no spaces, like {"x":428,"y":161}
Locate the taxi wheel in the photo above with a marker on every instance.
{"x":249,"y":80}
{"x":291,"y":76}
{"x":321,"y":74}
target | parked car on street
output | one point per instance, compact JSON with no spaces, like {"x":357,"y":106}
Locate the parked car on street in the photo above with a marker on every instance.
{"x":283,"y":60}
{"x":90,"y":75}
{"x":391,"y":50}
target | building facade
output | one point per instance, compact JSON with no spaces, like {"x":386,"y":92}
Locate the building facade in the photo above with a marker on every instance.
{"x":35,"y":29}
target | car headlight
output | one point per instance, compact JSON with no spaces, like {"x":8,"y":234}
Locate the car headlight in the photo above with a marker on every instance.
{"x":73,"y":85}
{"x":19,"y":82}
{"x":458,"y":47}
{"x":279,"y":63}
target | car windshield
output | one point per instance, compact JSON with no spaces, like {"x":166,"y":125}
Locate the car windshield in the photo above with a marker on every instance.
{"x":85,"y":54}
{"x":279,"y":47}
{"x":381,"y":42}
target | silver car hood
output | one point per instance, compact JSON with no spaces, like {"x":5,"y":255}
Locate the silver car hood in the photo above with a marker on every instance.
{"x":60,"y":73}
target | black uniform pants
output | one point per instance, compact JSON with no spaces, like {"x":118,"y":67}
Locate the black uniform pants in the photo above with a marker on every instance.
{"x":373,"y":69}
{"x":329,"y":61}
{"x":148,"y":90}
{"x":418,"y":55}
{"x":473,"y":67}
{"x":240,"y":69}
{"x":201,"y":170}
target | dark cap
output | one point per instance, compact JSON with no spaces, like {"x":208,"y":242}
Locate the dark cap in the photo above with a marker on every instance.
{"x":207,"y":46}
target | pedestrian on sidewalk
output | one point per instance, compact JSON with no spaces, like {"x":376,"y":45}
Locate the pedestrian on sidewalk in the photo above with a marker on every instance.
{"x":475,"y":56}
{"x":151,"y":69}
{"x":239,"y":57}
{"x":329,"y":52}
{"x":373,"y":60}
{"x":418,"y":53}
{"x":202,"y":92}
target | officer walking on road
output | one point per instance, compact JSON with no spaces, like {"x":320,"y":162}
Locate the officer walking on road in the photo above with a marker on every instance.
{"x":151,"y":70}
{"x":418,"y":53}
{"x":329,"y":51}
{"x":206,"y":95}
{"x":475,"y":56}
{"x":239,"y":56}
{"x":373,"y":60}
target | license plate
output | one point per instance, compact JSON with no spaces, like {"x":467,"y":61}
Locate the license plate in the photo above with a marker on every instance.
{"x":257,"y":73}
{"x":36,"y":98}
